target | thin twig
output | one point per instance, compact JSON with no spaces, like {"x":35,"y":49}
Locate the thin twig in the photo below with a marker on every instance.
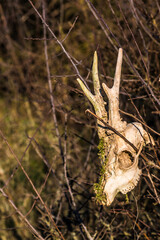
{"x":155,"y":191}
{"x":125,"y":139}
{"x":33,"y":230}
{"x":16,"y":168}
{"x":31,"y":183}
{"x":144,"y":124}
{"x":99,"y":19}
{"x":39,"y":152}
{"x":76,"y":213}
{"x":70,"y":29}
{"x":145,"y":127}
{"x":63,"y":153}
{"x":127,"y":59}
{"x":140,"y":53}
{"x":59,"y":42}
{"x":41,"y":189}
{"x":141,"y":23}
{"x":65,"y":163}
{"x":50,"y":83}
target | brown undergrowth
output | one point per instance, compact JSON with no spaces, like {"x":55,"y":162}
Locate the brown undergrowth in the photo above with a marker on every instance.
{"x":48,"y":149}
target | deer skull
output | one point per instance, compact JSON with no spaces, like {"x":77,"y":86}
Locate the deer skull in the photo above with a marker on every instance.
{"x":121,"y":172}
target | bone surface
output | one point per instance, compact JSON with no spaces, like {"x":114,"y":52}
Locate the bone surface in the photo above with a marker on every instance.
{"x":119,"y":160}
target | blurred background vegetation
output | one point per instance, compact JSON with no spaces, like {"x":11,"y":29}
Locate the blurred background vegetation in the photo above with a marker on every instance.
{"x":28,"y":124}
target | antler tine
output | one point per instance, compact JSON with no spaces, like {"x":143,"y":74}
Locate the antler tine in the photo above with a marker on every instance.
{"x":117,"y":77}
{"x":96,"y":82}
{"x":97,"y":99}
{"x":113,"y":96}
{"x":88,"y":94}
{"x":95,"y":74}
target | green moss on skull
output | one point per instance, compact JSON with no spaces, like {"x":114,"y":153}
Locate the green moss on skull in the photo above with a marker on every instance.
{"x":101,"y":148}
{"x":99,"y":187}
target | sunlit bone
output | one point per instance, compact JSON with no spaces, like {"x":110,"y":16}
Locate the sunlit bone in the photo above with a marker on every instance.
{"x":122,"y":173}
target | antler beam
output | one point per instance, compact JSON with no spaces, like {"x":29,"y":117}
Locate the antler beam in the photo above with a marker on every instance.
{"x":113,"y":96}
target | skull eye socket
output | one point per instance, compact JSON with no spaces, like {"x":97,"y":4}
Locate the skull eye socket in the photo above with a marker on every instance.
{"x":125,"y":159}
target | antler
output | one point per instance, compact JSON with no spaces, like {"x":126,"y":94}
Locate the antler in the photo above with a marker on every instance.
{"x":113,"y":96}
{"x":119,"y":160}
{"x":97,"y":99}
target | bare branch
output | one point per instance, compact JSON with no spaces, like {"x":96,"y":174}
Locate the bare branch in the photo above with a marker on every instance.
{"x":104,"y":26}
{"x":33,"y":187}
{"x":50,"y":83}
{"x":33,"y":230}
{"x":58,"y":41}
